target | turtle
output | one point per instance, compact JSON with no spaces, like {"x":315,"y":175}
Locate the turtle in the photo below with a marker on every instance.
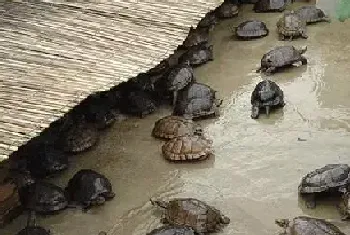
{"x":32,"y":228}
{"x":227,"y":10}
{"x":187,"y":148}
{"x":78,"y":136}
{"x":172,"y":126}
{"x":209,"y":21}
{"x":172,"y":230}
{"x":281,"y":56}
{"x":251,"y":29}
{"x":197,"y":100}
{"x":195,"y":37}
{"x":89,"y":188}
{"x":328,"y":179}
{"x":311,"y":14}
{"x":161,"y":68}
{"x":197,"y":55}
{"x":178,"y":78}
{"x":304,"y":225}
{"x":43,"y":197}
{"x":266,"y":95}
{"x":198,"y":215}
{"x":270,"y":6}
{"x":139,"y":103}
{"x":290,"y":25}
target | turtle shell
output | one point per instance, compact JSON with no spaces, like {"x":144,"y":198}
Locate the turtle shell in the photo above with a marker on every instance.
{"x":270,"y":5}
{"x":43,"y":197}
{"x":280,"y":56}
{"x":331,"y":176}
{"x":311,"y":14}
{"x":86,"y":186}
{"x":187,"y":148}
{"x":179,"y":77}
{"x":252,"y":29}
{"x":196,"y":36}
{"x":290,"y":24}
{"x":266,"y":92}
{"x":303,"y":225}
{"x":194,"y":213}
{"x":227,"y":10}
{"x":172,"y":126}
{"x":139,"y":103}
{"x":34,"y":230}
{"x":209,"y":21}
{"x":172,"y":230}
{"x":197,"y":55}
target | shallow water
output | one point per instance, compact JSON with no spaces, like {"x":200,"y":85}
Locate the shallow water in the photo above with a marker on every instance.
{"x":258,"y":164}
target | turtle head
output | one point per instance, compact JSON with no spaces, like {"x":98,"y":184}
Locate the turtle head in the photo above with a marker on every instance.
{"x":323,"y":16}
{"x":283,"y":223}
{"x":160,"y":203}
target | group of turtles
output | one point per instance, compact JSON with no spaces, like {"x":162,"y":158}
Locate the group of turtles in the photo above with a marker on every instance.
{"x":171,"y":81}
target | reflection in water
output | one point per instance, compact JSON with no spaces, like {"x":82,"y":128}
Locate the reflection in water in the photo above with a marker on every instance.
{"x":258,"y":164}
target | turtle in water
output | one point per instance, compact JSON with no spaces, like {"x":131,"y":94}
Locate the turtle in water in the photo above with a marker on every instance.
{"x":331,"y":178}
{"x":197,"y":100}
{"x":311,"y":14}
{"x":197,"y":55}
{"x":187,"y":148}
{"x":171,"y":126}
{"x":281,"y":56}
{"x":178,"y":78}
{"x":227,"y":10}
{"x":266,"y":95}
{"x":195,"y":37}
{"x":172,"y":230}
{"x":89,"y":188}
{"x":290,"y":25}
{"x":270,"y":5}
{"x":209,"y":21}
{"x":251,"y":29}
{"x":32,"y":228}
{"x":78,"y":135}
{"x":194,"y":213}
{"x":304,"y":225}
{"x":43,"y":197}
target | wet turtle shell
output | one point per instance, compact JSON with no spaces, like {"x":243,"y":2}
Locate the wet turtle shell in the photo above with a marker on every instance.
{"x":227,"y":10}
{"x":187,"y":148}
{"x":197,"y":100}
{"x":267,"y":94}
{"x":197,"y":214}
{"x":270,"y":5}
{"x":291,"y":25}
{"x":197,"y":55}
{"x":88,"y":187}
{"x":251,"y":29}
{"x":195,"y":37}
{"x":43,"y":197}
{"x":281,"y":56}
{"x":209,"y":21}
{"x":312,"y":14}
{"x":304,"y":225}
{"x":171,"y":126}
{"x":172,"y":230}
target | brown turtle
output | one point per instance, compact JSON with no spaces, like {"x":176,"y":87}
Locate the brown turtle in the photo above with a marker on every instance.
{"x":194,"y":213}
{"x":291,"y":25}
{"x":173,"y":126}
{"x":304,"y":225}
{"x":187,"y":148}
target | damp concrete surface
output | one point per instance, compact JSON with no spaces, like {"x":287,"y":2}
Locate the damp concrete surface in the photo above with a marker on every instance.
{"x":258,"y":164}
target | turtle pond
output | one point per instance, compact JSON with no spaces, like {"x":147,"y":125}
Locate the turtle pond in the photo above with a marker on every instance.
{"x":258,"y":163}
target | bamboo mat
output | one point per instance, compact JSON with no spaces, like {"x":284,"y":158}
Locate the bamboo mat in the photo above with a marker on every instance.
{"x":53,"y":54}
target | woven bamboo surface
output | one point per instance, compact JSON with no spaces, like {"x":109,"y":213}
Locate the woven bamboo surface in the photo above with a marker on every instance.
{"x":53,"y":54}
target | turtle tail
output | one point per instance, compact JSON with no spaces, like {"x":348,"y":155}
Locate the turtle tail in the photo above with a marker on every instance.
{"x":160,"y":203}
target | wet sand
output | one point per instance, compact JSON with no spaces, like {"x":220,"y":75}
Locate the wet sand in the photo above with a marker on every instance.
{"x":258,"y":164}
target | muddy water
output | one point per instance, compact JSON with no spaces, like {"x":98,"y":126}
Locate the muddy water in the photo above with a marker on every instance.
{"x":258,"y":164}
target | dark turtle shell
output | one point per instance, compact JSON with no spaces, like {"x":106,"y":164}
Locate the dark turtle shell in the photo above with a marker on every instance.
{"x":270,"y":5}
{"x":43,"y":197}
{"x":88,"y":187}
{"x":197,"y":55}
{"x":34,"y":230}
{"x":331,"y":176}
{"x":252,"y":29}
{"x":172,"y":230}
{"x":197,"y":214}
{"x":209,"y":21}
{"x":227,"y":10}
{"x":179,"y":77}
{"x":139,"y":103}
{"x":291,"y":25}
{"x":267,"y":94}
{"x":195,"y":37}
{"x":312,"y":14}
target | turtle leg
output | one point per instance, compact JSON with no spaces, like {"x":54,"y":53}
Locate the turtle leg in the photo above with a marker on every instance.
{"x":270,"y":70}
{"x":174,"y":97}
{"x":258,"y":70}
{"x":303,"y":35}
{"x":303,"y":60}
{"x":291,"y":38}
{"x":109,"y":195}
{"x":255,"y":112}
{"x":100,"y":201}
{"x":216,"y":111}
{"x":310,"y":201}
{"x":267,"y":108}
{"x":224,"y":219}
